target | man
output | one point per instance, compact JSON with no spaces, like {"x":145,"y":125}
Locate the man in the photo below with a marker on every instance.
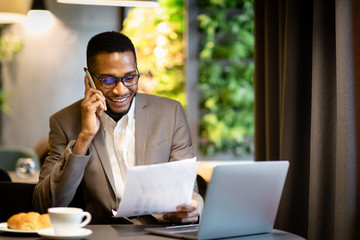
{"x":94,"y":141}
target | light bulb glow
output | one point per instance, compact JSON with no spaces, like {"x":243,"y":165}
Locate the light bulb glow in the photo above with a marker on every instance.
{"x":39,"y":20}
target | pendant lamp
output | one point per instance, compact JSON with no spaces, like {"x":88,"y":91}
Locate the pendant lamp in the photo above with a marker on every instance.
{"x":39,"y":18}
{"x":119,"y":3}
{"x":38,"y":5}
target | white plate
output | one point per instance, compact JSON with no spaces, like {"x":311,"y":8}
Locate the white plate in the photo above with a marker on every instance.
{"x":4,"y":228}
{"x":49,"y":234}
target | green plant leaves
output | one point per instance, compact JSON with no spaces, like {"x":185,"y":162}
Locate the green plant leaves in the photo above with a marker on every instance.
{"x":226,"y":77}
{"x":4,"y":106}
{"x":225,"y":66}
{"x":9,"y":45}
{"x":157,"y":34}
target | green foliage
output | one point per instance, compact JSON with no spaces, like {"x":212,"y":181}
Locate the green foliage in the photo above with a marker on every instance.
{"x":9,"y":46}
{"x":4,"y":106}
{"x":226,"y":76}
{"x":157,"y":34}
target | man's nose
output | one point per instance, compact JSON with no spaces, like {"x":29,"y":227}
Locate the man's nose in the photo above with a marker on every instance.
{"x":119,"y":89}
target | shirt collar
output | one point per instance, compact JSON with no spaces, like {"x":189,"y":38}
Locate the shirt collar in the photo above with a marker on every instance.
{"x":106,"y":120}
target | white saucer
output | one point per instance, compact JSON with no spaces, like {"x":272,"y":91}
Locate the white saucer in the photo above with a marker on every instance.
{"x":50,"y":234}
{"x":4,"y":228}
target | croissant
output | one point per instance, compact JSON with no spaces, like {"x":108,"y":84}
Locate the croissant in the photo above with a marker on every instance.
{"x":29,"y":221}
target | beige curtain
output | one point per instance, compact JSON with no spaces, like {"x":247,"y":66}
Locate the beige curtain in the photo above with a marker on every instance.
{"x":307,"y":69}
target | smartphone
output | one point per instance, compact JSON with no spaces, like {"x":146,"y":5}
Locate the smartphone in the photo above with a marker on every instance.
{"x":91,"y":80}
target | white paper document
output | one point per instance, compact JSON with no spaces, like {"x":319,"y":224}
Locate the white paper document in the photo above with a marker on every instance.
{"x":157,"y":188}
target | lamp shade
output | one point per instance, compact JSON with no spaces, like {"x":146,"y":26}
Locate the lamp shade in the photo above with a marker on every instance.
{"x":12,"y":11}
{"x":38,"y":5}
{"x":120,"y":3}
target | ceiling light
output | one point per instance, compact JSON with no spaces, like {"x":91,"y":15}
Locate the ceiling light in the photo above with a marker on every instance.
{"x":119,"y":3}
{"x":39,"y":18}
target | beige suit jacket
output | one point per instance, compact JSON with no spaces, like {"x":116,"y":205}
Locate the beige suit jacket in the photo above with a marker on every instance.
{"x":161,"y":135}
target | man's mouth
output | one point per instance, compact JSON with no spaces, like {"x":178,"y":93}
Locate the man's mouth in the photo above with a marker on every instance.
{"x":119,"y":99}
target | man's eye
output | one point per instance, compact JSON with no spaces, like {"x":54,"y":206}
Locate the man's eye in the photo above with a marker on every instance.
{"x":108,"y":80}
{"x":129,"y":78}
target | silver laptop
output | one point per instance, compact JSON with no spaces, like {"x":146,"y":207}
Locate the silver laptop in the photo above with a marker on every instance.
{"x":241,"y":199}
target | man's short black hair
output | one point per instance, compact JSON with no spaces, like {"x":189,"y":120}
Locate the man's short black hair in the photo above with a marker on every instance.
{"x":108,"y":42}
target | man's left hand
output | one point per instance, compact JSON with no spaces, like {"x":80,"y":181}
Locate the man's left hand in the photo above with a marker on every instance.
{"x":184,"y":214}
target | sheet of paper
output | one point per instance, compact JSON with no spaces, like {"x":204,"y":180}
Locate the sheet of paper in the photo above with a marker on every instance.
{"x":157,"y":188}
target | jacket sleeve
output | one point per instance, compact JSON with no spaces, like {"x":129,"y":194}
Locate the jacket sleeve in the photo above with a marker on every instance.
{"x":182,"y":147}
{"x":181,"y":143}
{"x":61,"y":172}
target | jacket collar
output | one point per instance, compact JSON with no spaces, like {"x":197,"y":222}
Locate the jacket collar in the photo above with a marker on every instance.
{"x":141,"y":126}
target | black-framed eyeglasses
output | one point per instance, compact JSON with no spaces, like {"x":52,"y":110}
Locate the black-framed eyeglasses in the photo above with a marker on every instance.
{"x":112,"y":82}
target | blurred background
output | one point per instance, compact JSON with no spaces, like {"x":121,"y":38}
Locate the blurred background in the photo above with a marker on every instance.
{"x":197,"y":52}
{"x":200,"y":52}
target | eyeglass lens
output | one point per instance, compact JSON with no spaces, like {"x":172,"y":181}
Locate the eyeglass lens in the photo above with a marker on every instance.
{"x":111,"y":82}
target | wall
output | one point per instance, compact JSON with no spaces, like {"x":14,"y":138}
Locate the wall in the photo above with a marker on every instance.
{"x":47,"y":74}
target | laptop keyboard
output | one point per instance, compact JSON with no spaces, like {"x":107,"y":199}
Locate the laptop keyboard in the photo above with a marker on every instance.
{"x":191,"y":230}
{"x":193,"y":233}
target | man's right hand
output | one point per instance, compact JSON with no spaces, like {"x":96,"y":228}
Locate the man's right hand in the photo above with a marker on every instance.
{"x":92,"y":106}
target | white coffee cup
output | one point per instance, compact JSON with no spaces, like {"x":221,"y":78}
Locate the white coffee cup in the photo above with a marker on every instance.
{"x":67,"y":221}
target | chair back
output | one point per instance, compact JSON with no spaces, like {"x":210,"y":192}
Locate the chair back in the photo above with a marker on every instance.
{"x":10,"y":155}
{"x":15,"y":198}
{"x":4,"y":176}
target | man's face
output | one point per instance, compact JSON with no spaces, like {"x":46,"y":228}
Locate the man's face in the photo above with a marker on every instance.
{"x":118,"y":99}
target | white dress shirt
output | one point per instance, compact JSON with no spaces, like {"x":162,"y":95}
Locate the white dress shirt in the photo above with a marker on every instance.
{"x":120,"y":144}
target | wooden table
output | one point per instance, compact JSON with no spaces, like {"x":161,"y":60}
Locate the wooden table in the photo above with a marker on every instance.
{"x":205,"y":171}
{"x":123,"y":232}
{"x":15,"y":178}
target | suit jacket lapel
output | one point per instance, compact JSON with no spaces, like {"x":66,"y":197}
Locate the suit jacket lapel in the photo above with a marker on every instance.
{"x":141,"y":120}
{"x":102,"y":154}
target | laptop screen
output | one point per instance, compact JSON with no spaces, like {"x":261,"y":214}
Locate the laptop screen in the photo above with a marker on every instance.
{"x":241,"y":199}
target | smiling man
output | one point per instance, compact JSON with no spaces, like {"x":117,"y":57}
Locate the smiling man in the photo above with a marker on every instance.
{"x":94,"y":141}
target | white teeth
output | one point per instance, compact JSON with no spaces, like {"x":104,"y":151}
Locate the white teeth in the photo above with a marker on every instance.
{"x":119,"y":101}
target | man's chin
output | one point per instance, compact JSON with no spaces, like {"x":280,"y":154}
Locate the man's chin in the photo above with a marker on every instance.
{"x":116,"y":113}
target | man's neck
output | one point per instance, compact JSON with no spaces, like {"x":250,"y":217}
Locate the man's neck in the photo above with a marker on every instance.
{"x":117,"y":116}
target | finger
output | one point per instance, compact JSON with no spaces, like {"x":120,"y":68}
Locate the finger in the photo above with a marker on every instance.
{"x":189,"y":220}
{"x":94,"y":104}
{"x":89,"y":91}
{"x":94,"y":95}
{"x":91,"y":106}
{"x":182,"y":215}
{"x":98,"y":103}
{"x":102,"y":108}
{"x":180,"y":218}
{"x":186,"y":214}
{"x":87,"y":83}
{"x":186,"y":208}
